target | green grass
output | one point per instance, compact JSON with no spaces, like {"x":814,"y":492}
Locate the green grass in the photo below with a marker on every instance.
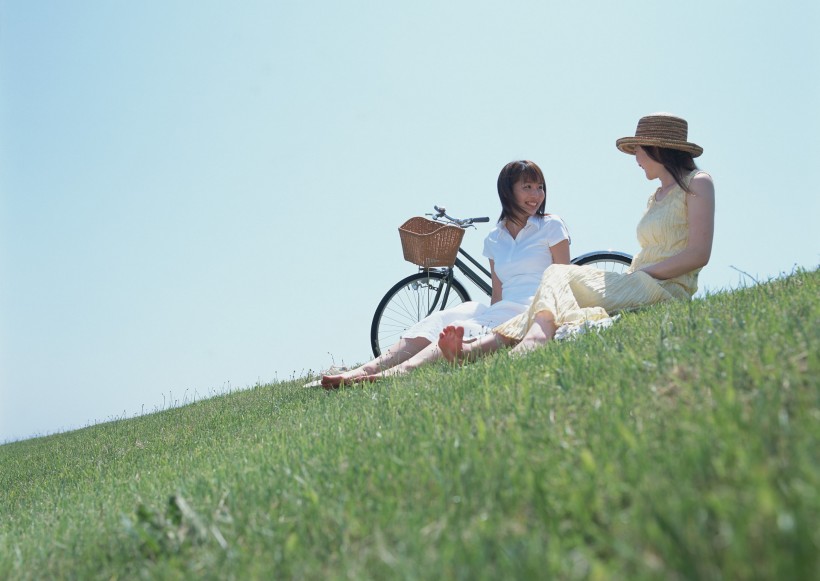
{"x":682,"y":443}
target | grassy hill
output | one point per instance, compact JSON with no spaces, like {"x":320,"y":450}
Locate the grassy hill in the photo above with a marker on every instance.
{"x":682,"y":443}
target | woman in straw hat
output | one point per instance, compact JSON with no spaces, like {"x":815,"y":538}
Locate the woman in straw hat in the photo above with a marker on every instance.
{"x":523,"y":244}
{"x":675,"y":235}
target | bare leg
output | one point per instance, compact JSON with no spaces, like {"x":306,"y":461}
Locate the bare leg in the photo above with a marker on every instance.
{"x":540,"y":332}
{"x":398,"y":353}
{"x":455,"y":349}
{"x":427,"y":355}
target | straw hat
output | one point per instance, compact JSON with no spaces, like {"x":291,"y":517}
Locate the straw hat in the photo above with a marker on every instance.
{"x":660,"y":130}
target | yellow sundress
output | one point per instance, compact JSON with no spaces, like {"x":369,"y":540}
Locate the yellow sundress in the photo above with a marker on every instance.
{"x":574,"y":294}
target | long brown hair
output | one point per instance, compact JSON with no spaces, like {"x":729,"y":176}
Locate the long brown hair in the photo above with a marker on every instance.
{"x":676,"y":162}
{"x":510,"y":175}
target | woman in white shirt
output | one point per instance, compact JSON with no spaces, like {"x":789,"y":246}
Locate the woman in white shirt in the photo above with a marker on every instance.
{"x":521,"y":246}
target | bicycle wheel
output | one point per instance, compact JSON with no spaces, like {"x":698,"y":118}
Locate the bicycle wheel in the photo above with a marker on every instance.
{"x":609,"y":260}
{"x":408,"y":302}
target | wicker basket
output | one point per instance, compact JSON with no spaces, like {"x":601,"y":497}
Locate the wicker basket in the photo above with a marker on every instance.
{"x":429,"y":244}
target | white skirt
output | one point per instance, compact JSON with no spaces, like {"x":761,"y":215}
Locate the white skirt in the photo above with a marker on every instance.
{"x":477,"y":319}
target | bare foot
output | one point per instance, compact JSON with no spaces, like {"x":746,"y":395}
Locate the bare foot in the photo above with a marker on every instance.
{"x":526,"y":345}
{"x":346,"y":378}
{"x":332,"y":381}
{"x":451,"y":343}
{"x":540,"y":332}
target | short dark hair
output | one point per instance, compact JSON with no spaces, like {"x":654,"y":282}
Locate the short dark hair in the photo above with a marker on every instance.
{"x":510,"y":175}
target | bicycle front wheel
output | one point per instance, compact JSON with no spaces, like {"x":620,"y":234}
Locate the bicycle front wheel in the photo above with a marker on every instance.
{"x":609,"y":260}
{"x":408,"y":302}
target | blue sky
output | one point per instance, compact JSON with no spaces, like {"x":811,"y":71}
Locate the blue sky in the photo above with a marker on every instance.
{"x":200,"y":196}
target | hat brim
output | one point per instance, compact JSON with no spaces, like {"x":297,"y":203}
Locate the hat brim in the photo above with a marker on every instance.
{"x":628,"y":145}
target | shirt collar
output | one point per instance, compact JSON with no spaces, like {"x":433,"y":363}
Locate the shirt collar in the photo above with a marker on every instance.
{"x":531,"y":221}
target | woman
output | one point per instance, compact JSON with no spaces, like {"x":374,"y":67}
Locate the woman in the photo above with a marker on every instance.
{"x":521,"y":246}
{"x":675,"y":235}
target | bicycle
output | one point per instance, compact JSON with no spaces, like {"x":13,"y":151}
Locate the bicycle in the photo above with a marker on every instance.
{"x":435,"y":287}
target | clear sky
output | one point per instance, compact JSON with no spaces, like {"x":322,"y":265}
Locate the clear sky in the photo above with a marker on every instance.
{"x":198,"y":196}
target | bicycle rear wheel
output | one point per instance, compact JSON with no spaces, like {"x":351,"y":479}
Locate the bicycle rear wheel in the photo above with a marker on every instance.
{"x":609,"y":260}
{"x":408,"y":302}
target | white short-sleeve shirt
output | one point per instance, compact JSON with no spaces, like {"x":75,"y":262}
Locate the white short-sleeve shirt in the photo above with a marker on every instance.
{"x":519,"y":262}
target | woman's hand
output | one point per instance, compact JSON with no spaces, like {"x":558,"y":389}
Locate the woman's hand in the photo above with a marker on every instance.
{"x":701,"y":216}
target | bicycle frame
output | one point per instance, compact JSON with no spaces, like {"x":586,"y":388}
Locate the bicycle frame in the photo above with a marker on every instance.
{"x":478,"y":281}
{"x":466,"y":271}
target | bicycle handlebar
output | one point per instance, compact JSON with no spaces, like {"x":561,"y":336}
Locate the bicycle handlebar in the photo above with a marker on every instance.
{"x":463,"y":222}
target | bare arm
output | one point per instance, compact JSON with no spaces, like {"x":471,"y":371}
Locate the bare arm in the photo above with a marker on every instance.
{"x":701,"y":216}
{"x":496,"y":296}
{"x":560,"y":252}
